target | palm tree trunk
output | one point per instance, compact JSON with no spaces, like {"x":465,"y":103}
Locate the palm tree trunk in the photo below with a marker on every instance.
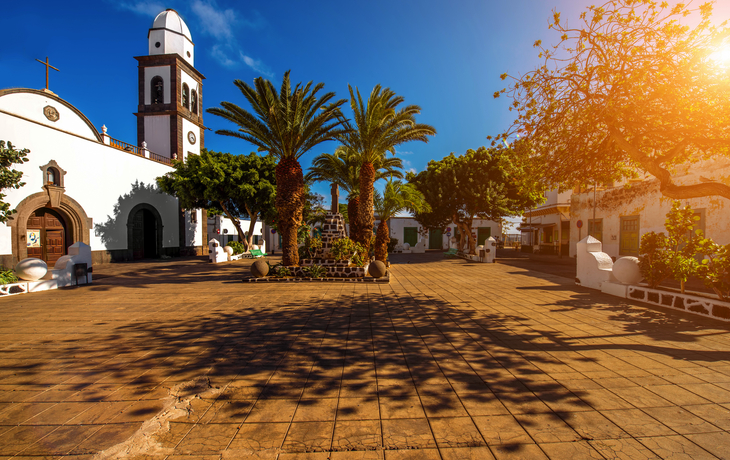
{"x":352,"y":208}
{"x":365,"y":211}
{"x":289,"y":204}
{"x":382,"y":238}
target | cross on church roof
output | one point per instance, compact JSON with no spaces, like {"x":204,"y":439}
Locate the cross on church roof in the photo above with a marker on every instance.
{"x":47,"y":66}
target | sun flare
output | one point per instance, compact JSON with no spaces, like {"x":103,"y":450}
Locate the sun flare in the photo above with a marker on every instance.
{"x":722,"y":56}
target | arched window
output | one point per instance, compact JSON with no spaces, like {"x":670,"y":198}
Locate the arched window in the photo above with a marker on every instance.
{"x":158,"y":90}
{"x":185,"y":96}
{"x":194,"y":102}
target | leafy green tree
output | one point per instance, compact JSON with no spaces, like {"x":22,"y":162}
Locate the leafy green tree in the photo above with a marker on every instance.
{"x":397,"y":197}
{"x":714,"y":269}
{"x":378,"y":128}
{"x":287,"y":124}
{"x":630,"y":89}
{"x":484,"y":183}
{"x":653,"y":258}
{"x":682,"y":242}
{"x":343,"y":168}
{"x":236,"y":185}
{"x":10,"y":178}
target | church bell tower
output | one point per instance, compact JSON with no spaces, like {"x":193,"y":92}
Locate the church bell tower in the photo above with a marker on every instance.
{"x":169,"y":113}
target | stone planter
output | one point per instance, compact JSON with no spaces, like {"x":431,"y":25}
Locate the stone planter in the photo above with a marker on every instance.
{"x":698,"y":305}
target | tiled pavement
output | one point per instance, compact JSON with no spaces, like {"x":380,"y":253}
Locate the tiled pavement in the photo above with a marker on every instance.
{"x":452,"y":360}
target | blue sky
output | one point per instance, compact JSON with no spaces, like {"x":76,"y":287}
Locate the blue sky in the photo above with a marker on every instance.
{"x":443,"y":56}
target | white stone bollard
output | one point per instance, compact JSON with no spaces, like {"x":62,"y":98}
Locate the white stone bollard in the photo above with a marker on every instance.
{"x":490,"y":247}
{"x":216,"y":254}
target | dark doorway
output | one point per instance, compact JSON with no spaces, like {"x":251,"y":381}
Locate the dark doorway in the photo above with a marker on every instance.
{"x":46,"y":235}
{"x":435,"y":238}
{"x":145,"y":235}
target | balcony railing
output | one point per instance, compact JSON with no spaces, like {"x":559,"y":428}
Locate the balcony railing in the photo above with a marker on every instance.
{"x":160,"y":158}
{"x":117,"y":144}
{"x":134,"y":150}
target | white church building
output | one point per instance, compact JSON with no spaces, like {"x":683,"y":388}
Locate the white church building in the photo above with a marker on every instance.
{"x":83,"y":185}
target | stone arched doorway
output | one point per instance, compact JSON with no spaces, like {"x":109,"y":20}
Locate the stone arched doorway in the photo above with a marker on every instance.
{"x":47,"y":235}
{"x":76,"y":224}
{"x":144,"y":232}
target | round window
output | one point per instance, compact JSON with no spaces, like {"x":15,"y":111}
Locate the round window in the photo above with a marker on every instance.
{"x":157,"y":45}
{"x":188,"y":53}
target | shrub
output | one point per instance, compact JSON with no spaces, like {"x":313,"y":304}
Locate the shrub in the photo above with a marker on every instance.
{"x":392,"y":244}
{"x":346,"y":249}
{"x":237,"y":247}
{"x":653,"y":261}
{"x":7,"y":276}
{"x":315,"y":271}
{"x":279,"y":271}
{"x":714,"y":270}
{"x":682,"y":242}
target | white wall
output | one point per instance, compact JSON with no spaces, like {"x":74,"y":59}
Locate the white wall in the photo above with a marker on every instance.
{"x":30,"y":106}
{"x":396,"y":226}
{"x":171,"y":43}
{"x":187,"y":146}
{"x":105,"y":181}
{"x":644,"y":199}
{"x":157,"y":134}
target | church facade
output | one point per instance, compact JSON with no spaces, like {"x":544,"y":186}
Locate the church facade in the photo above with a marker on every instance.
{"x":83,"y":185}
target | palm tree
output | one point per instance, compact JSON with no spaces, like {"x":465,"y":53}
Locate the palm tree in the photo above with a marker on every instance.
{"x":343,"y":168}
{"x":378,"y":128}
{"x":286,"y":125}
{"x":397,"y":197}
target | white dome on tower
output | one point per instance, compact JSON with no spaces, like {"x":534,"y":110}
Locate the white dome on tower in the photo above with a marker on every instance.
{"x":170,"y":35}
{"x":171,"y":20}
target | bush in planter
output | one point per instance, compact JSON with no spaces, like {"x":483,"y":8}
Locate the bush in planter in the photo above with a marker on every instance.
{"x":714,"y":270}
{"x":7,"y":276}
{"x":316,"y":271}
{"x":392,"y":244}
{"x":346,"y":249}
{"x":653,"y":261}
{"x":237,"y":247}
{"x":279,"y":271}
{"x":682,"y":243}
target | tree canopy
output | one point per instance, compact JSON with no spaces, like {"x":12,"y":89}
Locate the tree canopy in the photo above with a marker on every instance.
{"x":396,"y":197}
{"x":487,"y":183}
{"x":377,"y":128}
{"x":287,"y":124}
{"x":632,"y":88}
{"x":237,"y":185}
{"x":9,"y":177}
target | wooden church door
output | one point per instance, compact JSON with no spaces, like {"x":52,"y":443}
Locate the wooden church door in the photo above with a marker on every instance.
{"x":46,"y":236}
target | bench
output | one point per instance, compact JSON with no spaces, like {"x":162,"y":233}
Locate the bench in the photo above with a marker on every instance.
{"x":255,"y":253}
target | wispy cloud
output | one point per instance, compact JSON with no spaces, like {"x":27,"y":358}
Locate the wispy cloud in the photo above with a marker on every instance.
{"x":221,"y":56}
{"x":257,"y":65}
{"x":413,"y":170}
{"x":216,"y":22}
{"x":221,"y":24}
{"x":150,"y":8}
{"x":403,"y":152}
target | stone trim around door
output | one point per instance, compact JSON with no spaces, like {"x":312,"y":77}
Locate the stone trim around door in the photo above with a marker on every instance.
{"x":78,"y":223}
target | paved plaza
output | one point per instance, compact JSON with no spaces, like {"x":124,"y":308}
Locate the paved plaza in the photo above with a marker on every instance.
{"x":451,"y":360}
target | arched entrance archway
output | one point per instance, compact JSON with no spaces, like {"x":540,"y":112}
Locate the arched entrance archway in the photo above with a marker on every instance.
{"x":77,"y":223}
{"x":144,"y":232}
{"x":47,"y":235}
